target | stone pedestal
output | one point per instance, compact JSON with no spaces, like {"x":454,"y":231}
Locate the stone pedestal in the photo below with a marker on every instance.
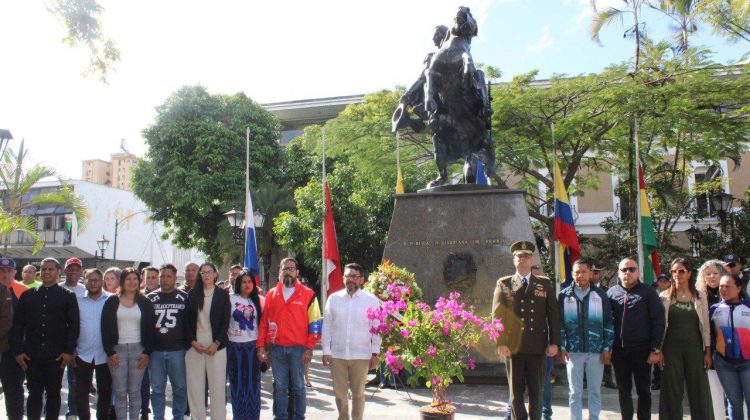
{"x":457,"y":238}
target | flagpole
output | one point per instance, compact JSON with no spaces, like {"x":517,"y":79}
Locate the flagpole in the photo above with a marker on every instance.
{"x":398,"y":152}
{"x":639,"y":234}
{"x":556,"y":246}
{"x":323,"y":269}
{"x":247,"y":190}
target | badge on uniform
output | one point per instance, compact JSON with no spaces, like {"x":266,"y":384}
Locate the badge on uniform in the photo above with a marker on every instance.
{"x":540,"y":293}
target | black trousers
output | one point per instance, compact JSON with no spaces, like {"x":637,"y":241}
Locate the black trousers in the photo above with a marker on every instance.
{"x":526,"y":371}
{"x":631,"y":365}
{"x":44,"y":376}
{"x":11,"y":378}
{"x":84,"y":376}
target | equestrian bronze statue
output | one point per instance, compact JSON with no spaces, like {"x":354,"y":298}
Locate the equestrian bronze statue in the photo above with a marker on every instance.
{"x":452,"y":97}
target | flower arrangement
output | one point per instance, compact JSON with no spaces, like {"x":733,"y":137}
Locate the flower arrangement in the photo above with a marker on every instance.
{"x":395,"y":287}
{"x":389,"y":274}
{"x":431,"y":343}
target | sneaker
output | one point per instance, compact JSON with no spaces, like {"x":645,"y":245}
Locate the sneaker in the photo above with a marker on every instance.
{"x":309,"y":385}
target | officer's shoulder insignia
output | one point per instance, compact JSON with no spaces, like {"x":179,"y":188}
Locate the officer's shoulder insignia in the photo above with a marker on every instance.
{"x":545,"y":278}
{"x":503,"y":280}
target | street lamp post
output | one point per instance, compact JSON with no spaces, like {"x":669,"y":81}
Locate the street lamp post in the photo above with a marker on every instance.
{"x":102,"y":244}
{"x":236,"y":221}
{"x":722,"y":202}
{"x":694,"y":235}
{"x":117,"y":226}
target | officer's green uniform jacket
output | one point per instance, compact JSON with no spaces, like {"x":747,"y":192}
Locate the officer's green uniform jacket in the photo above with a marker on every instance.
{"x":530,"y":314}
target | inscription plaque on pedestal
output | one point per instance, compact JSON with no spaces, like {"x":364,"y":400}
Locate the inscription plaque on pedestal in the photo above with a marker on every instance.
{"x":457,"y":238}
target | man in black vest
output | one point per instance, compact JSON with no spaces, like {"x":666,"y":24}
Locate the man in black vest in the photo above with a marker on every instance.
{"x":44,"y":337}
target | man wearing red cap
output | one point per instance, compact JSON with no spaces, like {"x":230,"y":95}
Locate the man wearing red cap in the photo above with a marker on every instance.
{"x":73,"y":273}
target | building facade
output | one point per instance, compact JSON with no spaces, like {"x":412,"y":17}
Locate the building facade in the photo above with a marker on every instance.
{"x":116,"y":172}
{"x":115,"y":214}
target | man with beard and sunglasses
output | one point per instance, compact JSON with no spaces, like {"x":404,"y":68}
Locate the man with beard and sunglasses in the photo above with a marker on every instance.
{"x":349,"y":348}
{"x":290,"y":325}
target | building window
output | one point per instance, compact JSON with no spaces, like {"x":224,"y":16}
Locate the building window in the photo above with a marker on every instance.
{"x":47,"y":223}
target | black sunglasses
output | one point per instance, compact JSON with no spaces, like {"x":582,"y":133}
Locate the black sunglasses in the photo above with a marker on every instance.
{"x":629,"y":269}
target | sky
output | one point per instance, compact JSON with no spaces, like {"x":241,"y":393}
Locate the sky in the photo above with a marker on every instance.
{"x":273,"y":51}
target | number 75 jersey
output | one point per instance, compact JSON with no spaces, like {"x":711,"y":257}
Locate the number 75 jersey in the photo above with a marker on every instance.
{"x":171,"y":311}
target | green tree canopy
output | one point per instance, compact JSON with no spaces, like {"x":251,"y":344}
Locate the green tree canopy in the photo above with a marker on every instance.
{"x":728,"y":18}
{"x":362,"y":208}
{"x":687,"y":108}
{"x":83,"y":21}
{"x":194,"y":170}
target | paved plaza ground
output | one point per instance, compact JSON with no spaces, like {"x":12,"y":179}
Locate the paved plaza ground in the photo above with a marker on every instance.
{"x":476,"y":401}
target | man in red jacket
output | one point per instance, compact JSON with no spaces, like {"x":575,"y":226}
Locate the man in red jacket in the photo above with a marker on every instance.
{"x":290,"y":326}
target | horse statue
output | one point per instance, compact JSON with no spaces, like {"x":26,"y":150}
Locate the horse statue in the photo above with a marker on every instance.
{"x":455,"y":102}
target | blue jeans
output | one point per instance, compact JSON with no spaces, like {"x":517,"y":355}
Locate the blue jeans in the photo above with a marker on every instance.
{"x":161,"y":365}
{"x":591,"y":364}
{"x":735,"y":379}
{"x":288,"y":372}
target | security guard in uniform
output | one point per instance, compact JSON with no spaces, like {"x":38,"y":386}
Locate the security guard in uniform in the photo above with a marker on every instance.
{"x":527,"y":306}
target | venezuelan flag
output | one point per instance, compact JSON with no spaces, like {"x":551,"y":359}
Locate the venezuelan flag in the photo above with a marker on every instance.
{"x":564,"y":231}
{"x":648,"y":234}
{"x":314,"y":319}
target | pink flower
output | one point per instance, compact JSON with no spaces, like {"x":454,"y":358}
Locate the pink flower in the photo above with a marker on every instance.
{"x":394,"y":362}
{"x":404,"y":333}
{"x":471,"y":364}
{"x":417,"y":362}
{"x":431,"y":352}
{"x":411,"y":323}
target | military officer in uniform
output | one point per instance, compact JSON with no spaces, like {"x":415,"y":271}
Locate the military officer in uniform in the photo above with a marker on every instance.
{"x":529,"y":311}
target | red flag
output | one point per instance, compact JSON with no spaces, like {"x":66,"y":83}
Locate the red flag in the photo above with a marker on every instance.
{"x":333,"y":280}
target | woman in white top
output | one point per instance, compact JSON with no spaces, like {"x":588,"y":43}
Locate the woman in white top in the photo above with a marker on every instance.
{"x":128,"y":337}
{"x":244,"y":366}
{"x":208,"y":312}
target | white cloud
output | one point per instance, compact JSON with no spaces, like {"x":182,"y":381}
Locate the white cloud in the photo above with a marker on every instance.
{"x":542,"y":43}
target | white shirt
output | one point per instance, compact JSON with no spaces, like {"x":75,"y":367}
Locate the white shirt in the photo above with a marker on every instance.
{"x":346,"y":328}
{"x":90,"y":348}
{"x":128,"y":324}
{"x":243,"y":325}
{"x":525,"y":278}
{"x":288,"y":292}
{"x":78,"y":289}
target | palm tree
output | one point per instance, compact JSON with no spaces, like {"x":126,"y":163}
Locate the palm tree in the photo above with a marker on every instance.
{"x":685,"y":14}
{"x":599,"y":21}
{"x":16,"y":183}
{"x":613,"y":14}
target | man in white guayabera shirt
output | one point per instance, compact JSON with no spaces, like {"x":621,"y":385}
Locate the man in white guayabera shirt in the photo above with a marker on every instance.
{"x":348,"y":346}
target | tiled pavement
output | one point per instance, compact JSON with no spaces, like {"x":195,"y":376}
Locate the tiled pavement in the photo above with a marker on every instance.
{"x":476,"y":401}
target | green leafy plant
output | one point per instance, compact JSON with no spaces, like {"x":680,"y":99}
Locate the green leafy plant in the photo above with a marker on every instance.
{"x":431,"y":342}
